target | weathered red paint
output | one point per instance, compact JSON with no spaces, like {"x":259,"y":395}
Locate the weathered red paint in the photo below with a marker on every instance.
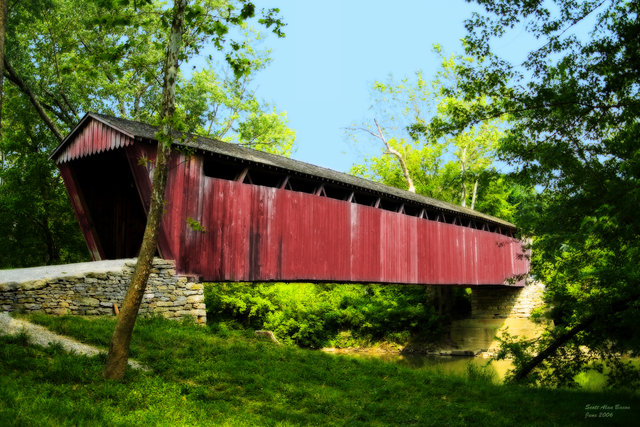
{"x":249,"y":232}
{"x":94,"y":138}
{"x":255,"y":233}
{"x":82,"y":214}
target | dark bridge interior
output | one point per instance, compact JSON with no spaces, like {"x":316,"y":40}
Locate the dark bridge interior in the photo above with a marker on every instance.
{"x":116,"y":213}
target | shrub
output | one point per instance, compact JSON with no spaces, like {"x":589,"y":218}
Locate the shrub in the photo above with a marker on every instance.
{"x":316,"y":315}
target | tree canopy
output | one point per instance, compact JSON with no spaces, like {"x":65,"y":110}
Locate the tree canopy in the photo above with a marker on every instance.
{"x":459,"y":168}
{"x":108,"y":59}
{"x":574,"y":108}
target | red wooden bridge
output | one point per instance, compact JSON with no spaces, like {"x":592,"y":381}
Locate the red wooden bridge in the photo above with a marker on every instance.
{"x":237,"y":214}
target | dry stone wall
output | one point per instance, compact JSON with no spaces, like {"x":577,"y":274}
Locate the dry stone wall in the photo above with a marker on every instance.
{"x":495,"y":310}
{"x":501,"y":302}
{"x":95,"y":293}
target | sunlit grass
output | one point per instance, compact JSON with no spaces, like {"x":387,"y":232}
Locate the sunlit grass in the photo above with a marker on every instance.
{"x":198,"y":378}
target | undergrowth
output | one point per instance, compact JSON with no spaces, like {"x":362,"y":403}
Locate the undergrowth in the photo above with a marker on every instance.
{"x":326,"y":315}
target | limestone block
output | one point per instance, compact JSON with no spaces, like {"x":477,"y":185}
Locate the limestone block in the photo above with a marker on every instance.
{"x":88,"y":301}
{"x":195,"y":298}
{"x":9,"y":286}
{"x":182,"y":313}
{"x":164,"y":304}
{"x":34,"y":284}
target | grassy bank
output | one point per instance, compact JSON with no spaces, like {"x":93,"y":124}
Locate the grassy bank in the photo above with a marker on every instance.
{"x":198,"y":378}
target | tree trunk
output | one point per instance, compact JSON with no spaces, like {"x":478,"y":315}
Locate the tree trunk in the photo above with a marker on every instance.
{"x":4,"y":8}
{"x":474,"y":196}
{"x":398,"y":155}
{"x":119,"y":347}
{"x":585,"y":324}
{"x":463,"y":184}
{"x":552,"y":348}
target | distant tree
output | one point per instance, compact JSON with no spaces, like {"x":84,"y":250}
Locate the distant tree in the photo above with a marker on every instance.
{"x":574,"y":107}
{"x":456,"y":168}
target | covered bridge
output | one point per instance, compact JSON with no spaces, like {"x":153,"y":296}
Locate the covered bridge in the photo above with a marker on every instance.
{"x":237,"y":214}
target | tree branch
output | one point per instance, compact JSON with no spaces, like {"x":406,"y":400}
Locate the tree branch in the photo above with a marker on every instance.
{"x":16,"y":80}
{"x":398,"y":155}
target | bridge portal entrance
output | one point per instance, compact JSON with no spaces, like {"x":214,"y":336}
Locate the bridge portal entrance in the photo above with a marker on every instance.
{"x":113,"y":205}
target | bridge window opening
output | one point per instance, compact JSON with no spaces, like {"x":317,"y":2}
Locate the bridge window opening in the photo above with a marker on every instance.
{"x":320,"y":191}
{"x":244,"y":176}
{"x":285,"y":184}
{"x":266,"y":178}
{"x":412,"y":210}
{"x":302,"y":185}
{"x":337,"y":193}
{"x":447,"y":218}
{"x":218,"y":168}
{"x":364,"y":199}
{"x":389,"y":205}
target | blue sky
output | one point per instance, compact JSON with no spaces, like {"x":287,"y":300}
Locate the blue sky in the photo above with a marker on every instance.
{"x":333,"y":52}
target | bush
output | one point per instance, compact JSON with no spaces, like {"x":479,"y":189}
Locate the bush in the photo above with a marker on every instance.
{"x":317,"y":315}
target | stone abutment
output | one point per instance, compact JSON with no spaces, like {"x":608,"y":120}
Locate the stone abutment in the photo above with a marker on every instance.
{"x":498,"y":309}
{"x":93,"y":288}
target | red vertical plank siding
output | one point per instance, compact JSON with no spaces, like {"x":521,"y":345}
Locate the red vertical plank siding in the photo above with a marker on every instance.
{"x":93,"y":138}
{"x":141,"y":158}
{"x":257,"y":233}
{"x":82,"y":215}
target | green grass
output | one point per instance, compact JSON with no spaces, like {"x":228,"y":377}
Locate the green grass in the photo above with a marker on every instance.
{"x":198,"y":378}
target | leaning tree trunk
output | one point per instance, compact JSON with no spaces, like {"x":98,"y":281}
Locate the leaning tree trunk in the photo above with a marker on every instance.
{"x":119,"y":347}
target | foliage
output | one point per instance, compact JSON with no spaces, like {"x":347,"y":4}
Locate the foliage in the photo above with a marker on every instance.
{"x":37,"y":225}
{"x":197,"y":378}
{"x":459,"y":168}
{"x":317,"y":315}
{"x":108,"y":59}
{"x":574,"y":106}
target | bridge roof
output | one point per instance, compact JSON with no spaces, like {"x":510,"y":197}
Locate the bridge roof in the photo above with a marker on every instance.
{"x":146,"y":132}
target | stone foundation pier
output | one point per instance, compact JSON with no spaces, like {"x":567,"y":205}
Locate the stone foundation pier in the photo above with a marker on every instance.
{"x":495,"y":309}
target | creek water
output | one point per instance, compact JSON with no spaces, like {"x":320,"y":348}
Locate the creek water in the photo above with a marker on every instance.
{"x":459,"y":366}
{"x":455,"y":365}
